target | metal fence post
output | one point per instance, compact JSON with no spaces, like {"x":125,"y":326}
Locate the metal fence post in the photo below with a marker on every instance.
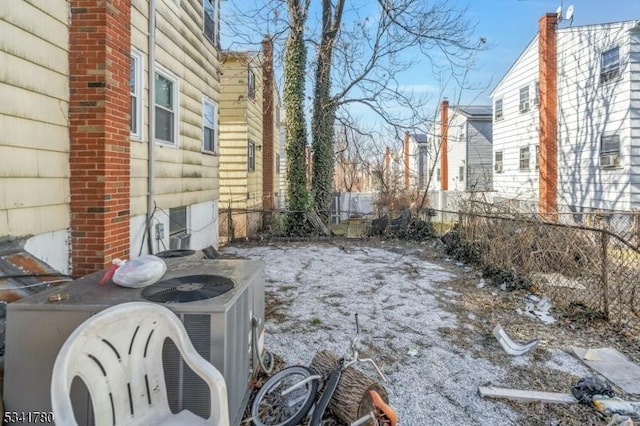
{"x":604,"y":263}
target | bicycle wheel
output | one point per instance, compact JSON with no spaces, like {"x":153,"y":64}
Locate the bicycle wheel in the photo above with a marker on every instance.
{"x":271,"y":408}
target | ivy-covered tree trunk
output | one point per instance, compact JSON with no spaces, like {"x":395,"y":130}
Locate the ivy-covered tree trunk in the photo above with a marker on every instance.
{"x":324,"y":111}
{"x":296,"y":131}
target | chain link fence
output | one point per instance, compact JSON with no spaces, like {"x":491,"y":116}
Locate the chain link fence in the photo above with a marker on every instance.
{"x":588,"y":262}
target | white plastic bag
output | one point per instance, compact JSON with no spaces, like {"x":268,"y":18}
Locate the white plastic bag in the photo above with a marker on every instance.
{"x":139,"y":272}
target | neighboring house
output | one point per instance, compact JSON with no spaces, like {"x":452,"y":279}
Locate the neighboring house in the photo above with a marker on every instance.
{"x":85,"y":85}
{"x":415,"y":161}
{"x":460,"y":149}
{"x":249,"y":142}
{"x":566,"y":120}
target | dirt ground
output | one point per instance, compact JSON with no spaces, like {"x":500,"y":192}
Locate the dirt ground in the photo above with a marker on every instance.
{"x":438,"y":359}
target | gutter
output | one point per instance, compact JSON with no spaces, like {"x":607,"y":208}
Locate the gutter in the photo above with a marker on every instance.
{"x":152,"y":123}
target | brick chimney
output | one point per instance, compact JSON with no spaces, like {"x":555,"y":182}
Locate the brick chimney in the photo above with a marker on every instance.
{"x":406,"y":160}
{"x":444,"y":132}
{"x":548,"y":110}
{"x":99,"y":108}
{"x":387,"y":166}
{"x":268,"y":117}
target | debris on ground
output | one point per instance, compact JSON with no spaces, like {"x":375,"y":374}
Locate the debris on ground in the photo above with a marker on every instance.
{"x":526,"y":395}
{"x":613,"y":365}
{"x":539,"y":307}
{"x":588,"y":387}
{"x":511,"y":347}
{"x":506,"y":279}
{"x":614,"y":405}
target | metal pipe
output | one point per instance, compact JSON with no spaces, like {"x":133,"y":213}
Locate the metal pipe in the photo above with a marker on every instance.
{"x":152,"y":123}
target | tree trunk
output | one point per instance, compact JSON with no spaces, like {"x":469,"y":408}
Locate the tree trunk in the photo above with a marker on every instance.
{"x":351,"y":399}
{"x":324,"y":111}
{"x":296,"y":132}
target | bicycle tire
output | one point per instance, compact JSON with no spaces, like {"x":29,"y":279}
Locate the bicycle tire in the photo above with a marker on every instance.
{"x":269,"y":396}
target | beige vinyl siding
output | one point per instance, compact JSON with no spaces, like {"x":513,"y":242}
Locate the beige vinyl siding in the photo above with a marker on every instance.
{"x":184,"y":174}
{"x":240,"y":122}
{"x":34,"y":104}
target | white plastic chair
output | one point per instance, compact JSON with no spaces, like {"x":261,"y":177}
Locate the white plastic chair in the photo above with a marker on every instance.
{"x":118,"y":355}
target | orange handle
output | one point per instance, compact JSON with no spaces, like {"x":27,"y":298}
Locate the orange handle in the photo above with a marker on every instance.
{"x":382,"y":406}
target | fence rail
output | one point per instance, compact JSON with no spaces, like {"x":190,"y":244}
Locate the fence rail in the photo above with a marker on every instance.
{"x":587,"y":261}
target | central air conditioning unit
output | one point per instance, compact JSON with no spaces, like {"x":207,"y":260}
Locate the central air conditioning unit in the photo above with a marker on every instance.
{"x":180,"y":241}
{"x":215,"y":299}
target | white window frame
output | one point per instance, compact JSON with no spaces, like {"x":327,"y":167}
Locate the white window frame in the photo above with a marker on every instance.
{"x":536,"y":93}
{"x":251,"y":85}
{"x":215,"y":37}
{"x":498,"y":164}
{"x":251,"y":156}
{"x":524,"y":99}
{"x":609,"y":72}
{"x":173,"y":223}
{"x":524,"y":159}
{"x":609,"y":158}
{"x":176,"y":106}
{"x":498,"y":113}
{"x":136,"y":57}
{"x":214,"y":149}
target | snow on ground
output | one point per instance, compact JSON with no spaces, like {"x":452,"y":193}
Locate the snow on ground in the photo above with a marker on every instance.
{"x":313,"y":292}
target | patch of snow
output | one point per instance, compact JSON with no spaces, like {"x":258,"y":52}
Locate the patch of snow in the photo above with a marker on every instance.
{"x":319,"y":288}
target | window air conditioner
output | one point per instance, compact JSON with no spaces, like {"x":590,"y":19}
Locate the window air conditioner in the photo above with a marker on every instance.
{"x":180,"y":241}
{"x":609,"y":160}
{"x":498,"y":168}
{"x":524,"y":106}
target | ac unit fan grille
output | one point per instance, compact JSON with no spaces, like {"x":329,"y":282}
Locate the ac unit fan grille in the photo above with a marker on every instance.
{"x":189,"y":288}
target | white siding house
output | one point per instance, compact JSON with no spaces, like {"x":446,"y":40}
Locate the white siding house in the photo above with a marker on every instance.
{"x":468,"y":149}
{"x":592,"y":85}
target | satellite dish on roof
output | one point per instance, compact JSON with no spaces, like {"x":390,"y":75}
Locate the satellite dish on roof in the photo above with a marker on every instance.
{"x":569,"y":16}
{"x":559,"y":13}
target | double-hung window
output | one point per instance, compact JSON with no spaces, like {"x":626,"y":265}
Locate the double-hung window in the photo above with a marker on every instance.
{"x":251,"y":85}
{"x":497,"y":161}
{"x":210,"y":18}
{"x":135,"y":89}
{"x":609,"y":65}
{"x":251,"y":156}
{"x":166,"y":108}
{"x":610,"y":150}
{"x":524,"y":158}
{"x":497,"y":110}
{"x":209,"y":120}
{"x":524,"y":99}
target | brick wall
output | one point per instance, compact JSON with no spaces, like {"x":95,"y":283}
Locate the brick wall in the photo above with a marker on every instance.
{"x":268,"y":117}
{"x":99,"y":60}
{"x":548,"y":107}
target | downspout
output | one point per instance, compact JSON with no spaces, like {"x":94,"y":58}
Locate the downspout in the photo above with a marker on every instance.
{"x":152,"y":123}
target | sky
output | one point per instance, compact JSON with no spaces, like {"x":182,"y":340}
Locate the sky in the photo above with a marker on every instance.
{"x":508,"y":27}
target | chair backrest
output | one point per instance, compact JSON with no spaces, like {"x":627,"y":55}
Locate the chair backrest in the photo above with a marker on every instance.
{"x":117,"y":353}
